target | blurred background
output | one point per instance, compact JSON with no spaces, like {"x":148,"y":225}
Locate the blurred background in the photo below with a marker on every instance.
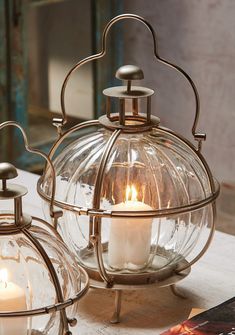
{"x":42,"y":39}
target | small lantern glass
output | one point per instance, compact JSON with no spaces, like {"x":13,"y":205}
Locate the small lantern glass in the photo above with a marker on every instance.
{"x":40,"y":280}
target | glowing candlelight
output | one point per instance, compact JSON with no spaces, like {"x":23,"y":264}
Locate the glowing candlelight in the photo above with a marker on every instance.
{"x":130,"y":238}
{"x":12,"y":298}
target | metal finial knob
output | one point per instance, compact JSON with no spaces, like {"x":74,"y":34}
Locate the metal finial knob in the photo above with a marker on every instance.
{"x":10,"y":191}
{"x":7,"y":171}
{"x":129,"y":72}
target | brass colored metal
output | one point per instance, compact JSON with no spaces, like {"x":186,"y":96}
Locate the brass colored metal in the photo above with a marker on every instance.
{"x":142,"y":279}
{"x":200,"y":138}
{"x":149,"y":110}
{"x":18,"y":211}
{"x":129,"y":72}
{"x":137,"y":124}
{"x":122,"y":92}
{"x":96,"y":204}
{"x":118,"y":300}
{"x":63,"y":136}
{"x":35,"y":151}
{"x":108,"y":105}
{"x":53,"y":274}
{"x":7,"y":171}
{"x":49,"y":226}
{"x":139,"y":284}
{"x":12,"y":228}
{"x":4,"y":185}
{"x":72,"y":322}
{"x":122,"y":118}
{"x":176,"y":292}
{"x":103,"y":162}
{"x":129,"y":214}
{"x":128,"y":86}
{"x":12,"y":191}
{"x":135,"y":107}
{"x":102,"y":53}
{"x":133,"y":93}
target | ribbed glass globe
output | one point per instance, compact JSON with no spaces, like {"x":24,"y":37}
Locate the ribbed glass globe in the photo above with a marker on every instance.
{"x":145,"y":171}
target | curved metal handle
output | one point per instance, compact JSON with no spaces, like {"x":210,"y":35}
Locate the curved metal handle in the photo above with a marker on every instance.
{"x":53,"y":214}
{"x":60,"y":122}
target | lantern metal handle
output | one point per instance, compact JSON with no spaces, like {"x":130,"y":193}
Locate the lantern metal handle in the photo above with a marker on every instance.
{"x":59,"y":122}
{"x":54,"y":214}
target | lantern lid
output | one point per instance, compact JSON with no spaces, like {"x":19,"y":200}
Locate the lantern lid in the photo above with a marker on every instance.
{"x":10,"y":191}
{"x":7,"y":171}
{"x":122,"y":93}
{"x":129,"y":99}
{"x":129,"y":72}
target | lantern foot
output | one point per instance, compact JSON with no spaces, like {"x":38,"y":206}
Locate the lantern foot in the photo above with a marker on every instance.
{"x":116,"y":315}
{"x":176,"y":292}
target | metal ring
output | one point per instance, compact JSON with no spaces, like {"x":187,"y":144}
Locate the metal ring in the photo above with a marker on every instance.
{"x":110,"y":124}
{"x":12,"y":228}
{"x":62,"y":305}
{"x":130,"y":214}
{"x":52,"y":308}
{"x":157,"y":213}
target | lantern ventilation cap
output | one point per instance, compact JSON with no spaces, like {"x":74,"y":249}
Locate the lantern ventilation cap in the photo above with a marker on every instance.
{"x":128,"y":117}
{"x":10,"y":191}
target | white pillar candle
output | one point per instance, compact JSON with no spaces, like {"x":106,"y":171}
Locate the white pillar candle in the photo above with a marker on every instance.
{"x":130,"y":238}
{"x":12,"y":298}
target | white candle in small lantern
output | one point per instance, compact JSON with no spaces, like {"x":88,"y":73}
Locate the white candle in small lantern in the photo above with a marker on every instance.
{"x":130,"y":238}
{"x":12,"y":298}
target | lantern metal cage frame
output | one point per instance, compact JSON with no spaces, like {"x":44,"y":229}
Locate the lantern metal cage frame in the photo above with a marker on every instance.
{"x":117,"y":123}
{"x":21,"y":223}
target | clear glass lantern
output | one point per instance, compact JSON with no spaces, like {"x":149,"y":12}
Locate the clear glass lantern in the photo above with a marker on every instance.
{"x":136,"y":196}
{"x":150,"y":171}
{"x":40,"y":280}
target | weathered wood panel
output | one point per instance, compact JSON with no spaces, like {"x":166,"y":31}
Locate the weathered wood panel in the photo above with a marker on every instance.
{"x":3,"y":78}
{"x":14,"y":76}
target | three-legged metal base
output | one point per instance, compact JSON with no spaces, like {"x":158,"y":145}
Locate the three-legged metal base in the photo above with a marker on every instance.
{"x":176,"y":292}
{"x":118,"y":300}
{"x":141,"y":281}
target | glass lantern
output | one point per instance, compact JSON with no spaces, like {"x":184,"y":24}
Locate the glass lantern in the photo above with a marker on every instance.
{"x":137,"y":198}
{"x":40,"y":280}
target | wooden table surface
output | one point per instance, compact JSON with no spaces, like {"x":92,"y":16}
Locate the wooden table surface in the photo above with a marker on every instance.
{"x":211,"y":281}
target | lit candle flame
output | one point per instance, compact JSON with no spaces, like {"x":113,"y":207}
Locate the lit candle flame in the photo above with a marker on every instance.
{"x":131,"y":193}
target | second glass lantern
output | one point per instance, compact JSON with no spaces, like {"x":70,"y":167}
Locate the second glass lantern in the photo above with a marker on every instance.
{"x":136,"y":196}
{"x":40,"y":280}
